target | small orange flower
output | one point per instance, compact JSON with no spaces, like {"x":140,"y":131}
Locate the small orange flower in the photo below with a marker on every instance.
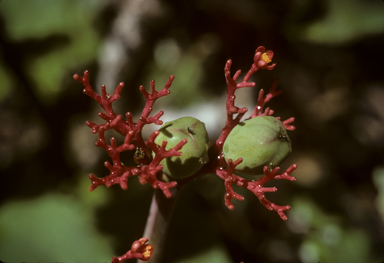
{"x":267,"y":58}
{"x":139,"y":250}
{"x":147,"y":253}
{"x":263,"y":58}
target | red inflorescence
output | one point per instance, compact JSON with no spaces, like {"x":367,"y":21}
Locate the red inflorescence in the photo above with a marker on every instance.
{"x":261,"y":61}
{"x":149,"y":167}
{"x":139,"y":250}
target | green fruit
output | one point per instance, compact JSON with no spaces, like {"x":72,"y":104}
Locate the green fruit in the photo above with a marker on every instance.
{"x":260,"y":141}
{"x":194,"y":152}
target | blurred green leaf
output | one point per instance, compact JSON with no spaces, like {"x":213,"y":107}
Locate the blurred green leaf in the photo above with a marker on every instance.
{"x":52,"y":228}
{"x":345,"y":21}
{"x":38,"y":19}
{"x":325,"y":238}
{"x":216,"y":254}
{"x":187,"y":65}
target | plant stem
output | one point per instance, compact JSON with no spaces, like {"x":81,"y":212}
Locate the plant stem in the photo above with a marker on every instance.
{"x":157,"y":222}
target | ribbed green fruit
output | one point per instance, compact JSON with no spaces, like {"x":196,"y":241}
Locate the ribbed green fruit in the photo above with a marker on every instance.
{"x":194,"y":152}
{"x":260,"y":141}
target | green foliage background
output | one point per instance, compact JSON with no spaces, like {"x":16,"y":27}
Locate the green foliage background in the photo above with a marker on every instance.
{"x":329,"y":57}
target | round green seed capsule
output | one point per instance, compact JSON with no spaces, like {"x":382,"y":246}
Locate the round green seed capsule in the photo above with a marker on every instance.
{"x":194,"y":152}
{"x":260,"y":141}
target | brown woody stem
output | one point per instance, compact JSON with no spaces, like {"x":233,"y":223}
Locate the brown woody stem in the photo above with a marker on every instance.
{"x":158,"y":220}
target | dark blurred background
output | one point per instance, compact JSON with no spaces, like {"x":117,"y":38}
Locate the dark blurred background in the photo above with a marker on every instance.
{"x":329,"y":57}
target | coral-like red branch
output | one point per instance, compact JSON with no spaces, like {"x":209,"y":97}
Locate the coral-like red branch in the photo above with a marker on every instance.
{"x":148,"y":167}
{"x":139,"y":250}
{"x":104,"y":100}
{"x":217,"y":164}
{"x":116,"y":122}
{"x":262,"y":100}
{"x":148,"y":172}
{"x":119,"y":173}
{"x":261,"y":60}
{"x":144,"y":118}
{"x":255,"y":187}
{"x":229,"y":179}
{"x":287,"y":125}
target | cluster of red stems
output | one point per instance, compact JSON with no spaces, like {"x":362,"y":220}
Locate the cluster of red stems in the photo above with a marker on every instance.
{"x":149,"y":169}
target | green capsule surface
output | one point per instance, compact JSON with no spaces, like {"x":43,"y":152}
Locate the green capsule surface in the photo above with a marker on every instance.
{"x":260,"y":141}
{"x":194,"y":152}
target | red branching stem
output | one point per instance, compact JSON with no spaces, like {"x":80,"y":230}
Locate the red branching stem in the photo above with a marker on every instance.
{"x":149,"y":172}
{"x":104,"y":100}
{"x":148,"y":168}
{"x":144,"y":118}
{"x":225,"y":170}
{"x":119,"y":173}
{"x":116,"y":122}
{"x":287,"y":125}
{"x":261,"y":60}
{"x":139,"y":250}
{"x":255,"y":187}
{"x":230,"y":179}
{"x":262,"y":100}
